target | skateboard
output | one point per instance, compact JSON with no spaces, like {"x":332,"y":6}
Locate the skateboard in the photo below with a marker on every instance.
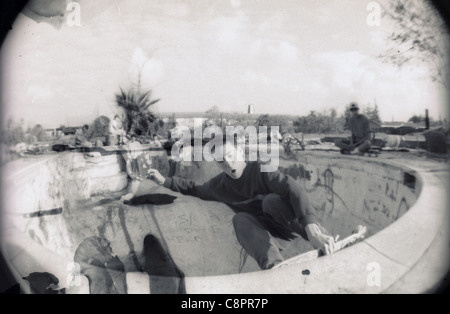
{"x":358,"y":234}
{"x":371,"y":153}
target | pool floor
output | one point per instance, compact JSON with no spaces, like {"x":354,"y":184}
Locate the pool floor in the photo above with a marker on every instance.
{"x":197,"y":234}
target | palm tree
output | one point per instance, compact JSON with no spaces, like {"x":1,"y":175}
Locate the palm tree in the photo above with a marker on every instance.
{"x":138,"y":118}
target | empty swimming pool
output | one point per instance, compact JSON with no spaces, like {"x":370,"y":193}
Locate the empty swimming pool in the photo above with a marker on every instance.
{"x":54,"y":205}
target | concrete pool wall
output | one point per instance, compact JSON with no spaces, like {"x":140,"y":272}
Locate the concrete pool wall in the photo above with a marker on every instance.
{"x":403,"y":208}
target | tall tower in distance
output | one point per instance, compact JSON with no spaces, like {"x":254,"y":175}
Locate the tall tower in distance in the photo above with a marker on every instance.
{"x":251,"y":109}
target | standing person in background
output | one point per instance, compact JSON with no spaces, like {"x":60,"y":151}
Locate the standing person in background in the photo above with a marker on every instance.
{"x":132,"y":155}
{"x":359,"y":126}
{"x":155,"y":141}
{"x":116,"y":132}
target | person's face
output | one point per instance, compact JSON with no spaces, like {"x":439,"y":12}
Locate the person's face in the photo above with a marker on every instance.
{"x":233,"y":163}
{"x":354,"y":112}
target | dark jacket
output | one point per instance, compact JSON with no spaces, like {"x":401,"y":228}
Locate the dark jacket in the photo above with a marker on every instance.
{"x":247,"y":192}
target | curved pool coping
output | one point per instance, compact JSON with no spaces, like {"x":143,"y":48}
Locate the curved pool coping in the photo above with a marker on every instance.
{"x":411,"y":255}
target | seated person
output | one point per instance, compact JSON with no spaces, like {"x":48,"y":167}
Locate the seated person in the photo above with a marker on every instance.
{"x":81,"y":139}
{"x":359,"y":126}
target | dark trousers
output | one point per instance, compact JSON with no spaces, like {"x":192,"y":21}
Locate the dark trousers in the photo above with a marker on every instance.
{"x":263,"y":237}
{"x":346,"y":146}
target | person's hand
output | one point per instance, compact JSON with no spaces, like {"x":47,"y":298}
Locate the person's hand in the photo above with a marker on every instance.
{"x":319,"y":240}
{"x":154,"y":175}
{"x":127,"y":197}
{"x":135,"y":177}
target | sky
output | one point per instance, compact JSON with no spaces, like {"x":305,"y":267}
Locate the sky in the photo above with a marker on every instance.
{"x":282,"y":56}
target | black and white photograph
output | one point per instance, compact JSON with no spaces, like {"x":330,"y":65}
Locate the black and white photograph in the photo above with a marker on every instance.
{"x":228,"y":150}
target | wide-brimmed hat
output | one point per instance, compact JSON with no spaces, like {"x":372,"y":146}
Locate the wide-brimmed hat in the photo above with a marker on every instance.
{"x":354,"y":106}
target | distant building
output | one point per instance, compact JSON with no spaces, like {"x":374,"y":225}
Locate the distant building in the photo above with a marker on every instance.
{"x":401,"y":128}
{"x":251,"y":109}
{"x":188,"y":118}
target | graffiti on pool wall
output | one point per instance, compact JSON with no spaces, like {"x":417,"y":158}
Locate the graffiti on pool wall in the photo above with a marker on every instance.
{"x":382,"y":202}
{"x":321,"y":185}
{"x":328,"y":184}
{"x":392,"y":190}
{"x":402,"y":208}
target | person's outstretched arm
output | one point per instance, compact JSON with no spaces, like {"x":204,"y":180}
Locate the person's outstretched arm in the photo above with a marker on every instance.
{"x":184,"y":186}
